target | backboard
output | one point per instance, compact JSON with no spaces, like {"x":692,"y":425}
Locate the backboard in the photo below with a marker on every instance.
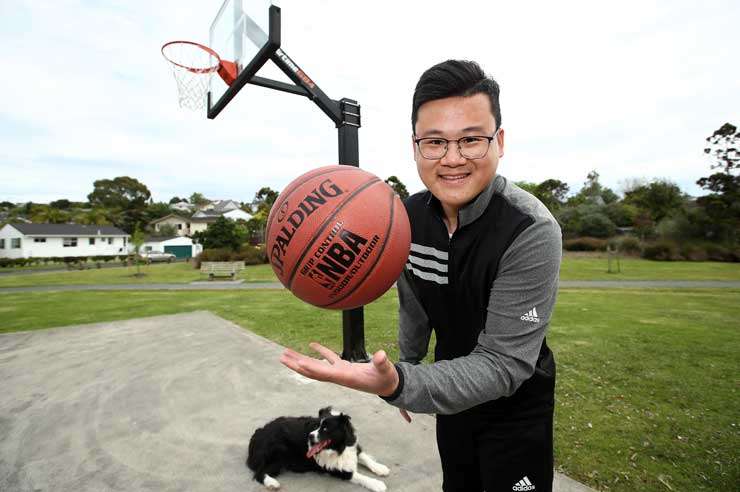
{"x":246,"y":32}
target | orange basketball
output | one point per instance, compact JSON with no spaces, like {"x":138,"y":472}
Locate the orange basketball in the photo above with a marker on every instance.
{"x":338,"y":237}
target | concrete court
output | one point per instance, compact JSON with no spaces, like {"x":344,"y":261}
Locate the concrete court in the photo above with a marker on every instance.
{"x":168,"y":403}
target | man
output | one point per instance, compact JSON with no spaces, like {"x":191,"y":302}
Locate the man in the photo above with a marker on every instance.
{"x":483,"y":274}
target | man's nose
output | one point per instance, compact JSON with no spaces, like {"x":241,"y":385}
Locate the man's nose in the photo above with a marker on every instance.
{"x":453,"y":157}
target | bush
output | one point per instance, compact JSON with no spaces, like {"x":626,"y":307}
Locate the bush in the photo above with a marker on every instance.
{"x":597,"y":225}
{"x":717,"y":252}
{"x":252,"y":255}
{"x":662,"y":251}
{"x":628,"y":245}
{"x":585,"y":244}
{"x":693,"y":252}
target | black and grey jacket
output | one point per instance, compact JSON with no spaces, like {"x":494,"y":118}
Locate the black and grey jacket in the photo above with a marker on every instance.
{"x":488,"y":292}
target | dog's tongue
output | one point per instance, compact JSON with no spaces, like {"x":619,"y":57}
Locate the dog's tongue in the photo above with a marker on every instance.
{"x":316,"y":448}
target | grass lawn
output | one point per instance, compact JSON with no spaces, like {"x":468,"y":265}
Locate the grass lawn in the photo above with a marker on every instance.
{"x":573,"y":268}
{"x":178,"y":273}
{"x":647,"y":394}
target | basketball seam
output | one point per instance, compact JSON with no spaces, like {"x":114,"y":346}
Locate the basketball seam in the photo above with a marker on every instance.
{"x":382,"y":248}
{"x":326,"y":221}
{"x":311,"y":174}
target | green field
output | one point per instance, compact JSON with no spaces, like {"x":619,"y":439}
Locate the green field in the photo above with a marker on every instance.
{"x":573,"y":268}
{"x":647,"y":394}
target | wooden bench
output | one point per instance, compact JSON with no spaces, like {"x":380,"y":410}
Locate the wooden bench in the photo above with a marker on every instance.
{"x":221,"y":268}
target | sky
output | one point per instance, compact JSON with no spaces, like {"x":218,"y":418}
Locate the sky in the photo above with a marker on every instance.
{"x":630,"y":89}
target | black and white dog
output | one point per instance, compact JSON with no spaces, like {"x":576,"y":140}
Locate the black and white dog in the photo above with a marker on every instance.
{"x":326,"y":444}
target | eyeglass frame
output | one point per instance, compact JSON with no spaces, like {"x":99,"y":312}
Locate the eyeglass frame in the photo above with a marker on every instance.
{"x":457,"y":142}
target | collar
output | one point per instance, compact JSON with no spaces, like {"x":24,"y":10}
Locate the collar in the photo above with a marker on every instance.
{"x":473,"y":210}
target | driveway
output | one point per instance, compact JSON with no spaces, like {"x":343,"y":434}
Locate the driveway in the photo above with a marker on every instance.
{"x":168,"y":403}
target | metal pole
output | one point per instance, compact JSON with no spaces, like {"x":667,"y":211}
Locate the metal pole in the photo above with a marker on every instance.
{"x":353,"y":320}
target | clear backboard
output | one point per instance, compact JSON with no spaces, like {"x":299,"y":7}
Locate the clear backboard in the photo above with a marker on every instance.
{"x":241,"y":33}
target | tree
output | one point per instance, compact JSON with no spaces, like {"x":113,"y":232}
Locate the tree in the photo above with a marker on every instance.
{"x":398,"y":187}
{"x":176,"y":199}
{"x":199,"y":200}
{"x":156,"y":211}
{"x":7,"y":205}
{"x":264,"y":199}
{"x":551,"y":193}
{"x":62,"y":204}
{"x":137,"y":239}
{"x":223,"y":233}
{"x":593,"y":192}
{"x":122,"y":192}
{"x":660,"y":198}
{"x":723,"y":204}
{"x":95,"y":216}
{"x":43,"y":214}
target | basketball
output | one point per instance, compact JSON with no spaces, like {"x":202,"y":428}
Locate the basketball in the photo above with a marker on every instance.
{"x":338,"y":237}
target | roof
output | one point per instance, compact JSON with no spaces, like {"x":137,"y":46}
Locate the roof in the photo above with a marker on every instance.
{"x":158,"y":239}
{"x":169,"y":216}
{"x":204,"y":214}
{"x":67,"y":230}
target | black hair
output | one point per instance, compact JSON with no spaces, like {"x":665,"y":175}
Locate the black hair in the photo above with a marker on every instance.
{"x":454,"y":78}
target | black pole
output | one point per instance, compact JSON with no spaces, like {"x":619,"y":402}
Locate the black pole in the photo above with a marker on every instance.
{"x":353,"y":320}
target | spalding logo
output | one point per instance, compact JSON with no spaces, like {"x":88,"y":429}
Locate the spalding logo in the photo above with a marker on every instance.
{"x":310,"y":203}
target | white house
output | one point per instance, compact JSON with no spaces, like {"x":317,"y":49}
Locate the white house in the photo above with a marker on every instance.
{"x":182,"y":207}
{"x":19,"y":240}
{"x":181,"y":247}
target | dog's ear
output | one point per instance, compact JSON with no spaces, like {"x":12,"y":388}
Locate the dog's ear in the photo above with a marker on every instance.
{"x":324,"y":412}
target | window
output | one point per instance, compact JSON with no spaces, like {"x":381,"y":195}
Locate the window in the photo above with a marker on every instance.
{"x":179,"y":227}
{"x":2,"y":243}
{"x":124,"y":241}
{"x":39,"y":240}
{"x":110,"y":240}
{"x":92,"y":241}
{"x":147,"y":248}
{"x":15,"y":242}
{"x":70,"y":242}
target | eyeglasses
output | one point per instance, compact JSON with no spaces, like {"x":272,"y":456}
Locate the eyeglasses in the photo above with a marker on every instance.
{"x":470,"y":147}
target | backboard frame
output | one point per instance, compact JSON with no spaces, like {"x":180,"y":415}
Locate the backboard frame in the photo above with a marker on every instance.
{"x":248,"y":72}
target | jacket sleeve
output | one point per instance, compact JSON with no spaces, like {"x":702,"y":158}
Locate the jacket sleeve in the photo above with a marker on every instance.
{"x":414,"y":330}
{"x":521,"y":302}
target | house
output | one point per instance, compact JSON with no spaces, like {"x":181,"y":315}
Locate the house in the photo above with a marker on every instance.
{"x":183,"y":207}
{"x":19,"y":240}
{"x":180,"y":223}
{"x":181,"y":247}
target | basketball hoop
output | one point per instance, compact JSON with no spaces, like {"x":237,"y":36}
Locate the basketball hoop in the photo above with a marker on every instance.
{"x":193,"y":66}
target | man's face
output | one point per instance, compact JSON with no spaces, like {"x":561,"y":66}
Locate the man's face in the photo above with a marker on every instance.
{"x":453,"y":179}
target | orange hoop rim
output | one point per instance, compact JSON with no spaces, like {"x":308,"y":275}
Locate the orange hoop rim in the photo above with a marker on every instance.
{"x":193,"y":69}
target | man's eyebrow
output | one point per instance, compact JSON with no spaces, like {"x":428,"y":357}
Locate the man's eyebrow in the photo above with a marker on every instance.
{"x":434,"y":132}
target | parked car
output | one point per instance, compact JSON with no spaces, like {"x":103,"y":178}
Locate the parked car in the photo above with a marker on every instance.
{"x":157,"y":256}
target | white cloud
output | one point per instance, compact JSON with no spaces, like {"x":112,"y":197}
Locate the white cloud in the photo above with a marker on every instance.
{"x":629,"y":89}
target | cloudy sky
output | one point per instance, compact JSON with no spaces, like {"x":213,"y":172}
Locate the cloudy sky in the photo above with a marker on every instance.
{"x":630,"y":89}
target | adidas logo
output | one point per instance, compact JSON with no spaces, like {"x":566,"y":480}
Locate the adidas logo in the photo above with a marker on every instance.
{"x":531,"y":316}
{"x":523,"y":484}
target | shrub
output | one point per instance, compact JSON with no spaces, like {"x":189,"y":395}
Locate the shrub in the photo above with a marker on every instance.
{"x":717,"y":252}
{"x":252,"y":255}
{"x":585,"y":244}
{"x":597,"y":225}
{"x":693,"y":252}
{"x":662,"y":251}
{"x":628,"y":245}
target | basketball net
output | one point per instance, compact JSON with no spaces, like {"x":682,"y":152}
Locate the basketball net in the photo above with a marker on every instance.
{"x":193,"y":65}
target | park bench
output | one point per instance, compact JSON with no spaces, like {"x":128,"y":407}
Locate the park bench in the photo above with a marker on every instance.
{"x":221,"y":268}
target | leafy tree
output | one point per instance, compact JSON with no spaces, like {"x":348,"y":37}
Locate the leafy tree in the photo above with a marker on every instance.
{"x":43,"y":214}
{"x":176,"y":199}
{"x":398,"y":187}
{"x":264,"y":199}
{"x":723,"y":204}
{"x":125,"y":198}
{"x":137,"y":239}
{"x":659,"y":198}
{"x":7,"y":205}
{"x":551,"y":193}
{"x":621,"y":214}
{"x":223,"y":233}
{"x":593,"y":192}
{"x":199,"y":200}
{"x":62,"y":204}
{"x":95,"y":216}
{"x":597,"y":225}
{"x":157,"y":210}
{"x":527,"y":186}
{"x":122,"y":192}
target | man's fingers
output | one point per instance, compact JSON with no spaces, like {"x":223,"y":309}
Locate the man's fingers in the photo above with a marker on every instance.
{"x":326,"y":353}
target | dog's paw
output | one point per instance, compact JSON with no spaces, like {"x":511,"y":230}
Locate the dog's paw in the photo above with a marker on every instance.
{"x":271,"y":483}
{"x":377,"y":486}
{"x":380,"y":470}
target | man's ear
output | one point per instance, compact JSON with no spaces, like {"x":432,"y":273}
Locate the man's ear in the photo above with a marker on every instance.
{"x":500,"y":141}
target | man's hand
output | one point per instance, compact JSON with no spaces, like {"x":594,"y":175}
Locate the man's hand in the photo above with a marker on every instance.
{"x":378,"y":377}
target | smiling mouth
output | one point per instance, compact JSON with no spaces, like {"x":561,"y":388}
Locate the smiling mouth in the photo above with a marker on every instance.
{"x":453,"y":178}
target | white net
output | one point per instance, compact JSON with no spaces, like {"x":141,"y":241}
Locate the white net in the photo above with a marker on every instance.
{"x":193,"y":66}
